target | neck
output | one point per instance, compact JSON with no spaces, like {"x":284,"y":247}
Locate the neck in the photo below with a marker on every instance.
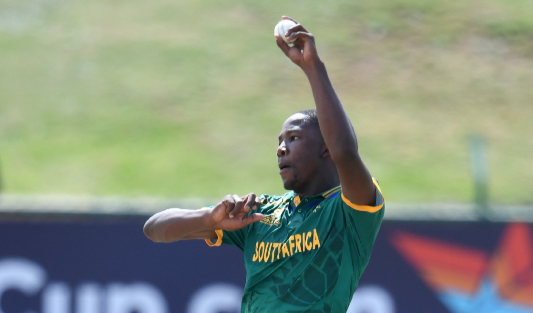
{"x":318,"y":186}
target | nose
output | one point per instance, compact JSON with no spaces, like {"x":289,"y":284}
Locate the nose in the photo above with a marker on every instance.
{"x":282,"y":149}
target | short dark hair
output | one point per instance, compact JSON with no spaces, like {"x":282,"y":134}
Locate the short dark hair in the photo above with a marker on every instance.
{"x":311,"y":119}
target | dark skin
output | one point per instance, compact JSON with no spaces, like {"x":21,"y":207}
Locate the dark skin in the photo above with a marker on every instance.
{"x":309,"y":163}
{"x":303,"y":158}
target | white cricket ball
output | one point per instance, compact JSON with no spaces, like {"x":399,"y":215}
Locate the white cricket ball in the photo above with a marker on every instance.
{"x":281,"y":29}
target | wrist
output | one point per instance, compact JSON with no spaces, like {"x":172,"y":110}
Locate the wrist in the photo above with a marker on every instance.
{"x":208,"y":221}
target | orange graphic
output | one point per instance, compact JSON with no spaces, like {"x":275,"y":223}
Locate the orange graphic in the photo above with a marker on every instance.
{"x":446,"y":266}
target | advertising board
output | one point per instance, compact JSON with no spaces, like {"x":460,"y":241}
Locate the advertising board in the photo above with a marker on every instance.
{"x":110,"y":267}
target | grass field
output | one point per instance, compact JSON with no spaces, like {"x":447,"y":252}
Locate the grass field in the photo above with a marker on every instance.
{"x":186,"y":98}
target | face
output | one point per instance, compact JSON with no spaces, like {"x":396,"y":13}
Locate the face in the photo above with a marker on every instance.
{"x":299,"y":153}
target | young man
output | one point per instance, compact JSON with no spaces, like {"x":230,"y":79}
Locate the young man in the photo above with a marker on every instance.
{"x":305,"y":250}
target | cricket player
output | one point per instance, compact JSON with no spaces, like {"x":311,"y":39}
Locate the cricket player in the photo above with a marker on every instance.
{"x":306,"y":249}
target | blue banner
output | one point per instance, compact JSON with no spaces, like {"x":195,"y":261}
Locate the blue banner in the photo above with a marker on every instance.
{"x":110,"y":267}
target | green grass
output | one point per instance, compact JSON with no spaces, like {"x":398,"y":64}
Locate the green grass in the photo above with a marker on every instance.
{"x":186,"y":98}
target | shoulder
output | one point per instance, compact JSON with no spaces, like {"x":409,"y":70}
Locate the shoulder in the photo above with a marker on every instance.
{"x":334,"y":200}
{"x":332,"y":197}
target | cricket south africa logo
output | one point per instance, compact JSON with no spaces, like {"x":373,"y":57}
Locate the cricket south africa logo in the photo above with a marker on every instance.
{"x":274,"y":218}
{"x":468,"y":280}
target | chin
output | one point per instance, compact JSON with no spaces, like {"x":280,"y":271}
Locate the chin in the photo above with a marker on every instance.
{"x":290,"y":184}
{"x":287,"y":185}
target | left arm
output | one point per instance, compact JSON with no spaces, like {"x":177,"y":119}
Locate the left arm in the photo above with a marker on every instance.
{"x":335,"y":126}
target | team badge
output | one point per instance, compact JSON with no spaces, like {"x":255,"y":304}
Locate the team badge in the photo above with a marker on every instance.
{"x":274,"y":218}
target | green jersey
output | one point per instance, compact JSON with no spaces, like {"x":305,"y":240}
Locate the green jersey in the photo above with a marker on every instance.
{"x":306,"y":255}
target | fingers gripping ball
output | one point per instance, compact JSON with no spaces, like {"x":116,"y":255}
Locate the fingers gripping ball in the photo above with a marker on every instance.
{"x":281,"y":29}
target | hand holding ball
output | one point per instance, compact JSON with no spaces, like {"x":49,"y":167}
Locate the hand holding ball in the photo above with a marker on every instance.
{"x":300,"y":46}
{"x":282,"y":28}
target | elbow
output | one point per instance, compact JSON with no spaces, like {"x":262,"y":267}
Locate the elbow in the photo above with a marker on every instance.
{"x":150,"y":231}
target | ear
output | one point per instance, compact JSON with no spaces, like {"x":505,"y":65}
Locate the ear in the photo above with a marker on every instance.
{"x":324,"y":152}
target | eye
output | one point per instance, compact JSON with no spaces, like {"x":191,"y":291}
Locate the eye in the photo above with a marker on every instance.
{"x":293,"y":138}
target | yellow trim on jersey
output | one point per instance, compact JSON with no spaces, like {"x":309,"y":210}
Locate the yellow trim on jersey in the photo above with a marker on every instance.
{"x":330,"y":192}
{"x":365,"y":208}
{"x":377,"y":185}
{"x":220,"y":234}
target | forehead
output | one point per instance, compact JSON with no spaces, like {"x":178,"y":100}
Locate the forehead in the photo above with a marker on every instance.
{"x":293,"y":123}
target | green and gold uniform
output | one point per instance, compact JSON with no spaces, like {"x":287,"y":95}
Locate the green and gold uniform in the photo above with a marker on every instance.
{"x":306,"y":255}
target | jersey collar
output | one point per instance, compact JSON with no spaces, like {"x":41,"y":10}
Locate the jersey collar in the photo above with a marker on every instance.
{"x":326,"y":194}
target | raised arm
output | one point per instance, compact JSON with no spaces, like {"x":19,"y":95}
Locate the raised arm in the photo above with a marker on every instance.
{"x":336,"y":128}
{"x":178,"y":224}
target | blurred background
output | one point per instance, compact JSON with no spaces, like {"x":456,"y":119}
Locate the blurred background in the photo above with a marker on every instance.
{"x":113,"y":110}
